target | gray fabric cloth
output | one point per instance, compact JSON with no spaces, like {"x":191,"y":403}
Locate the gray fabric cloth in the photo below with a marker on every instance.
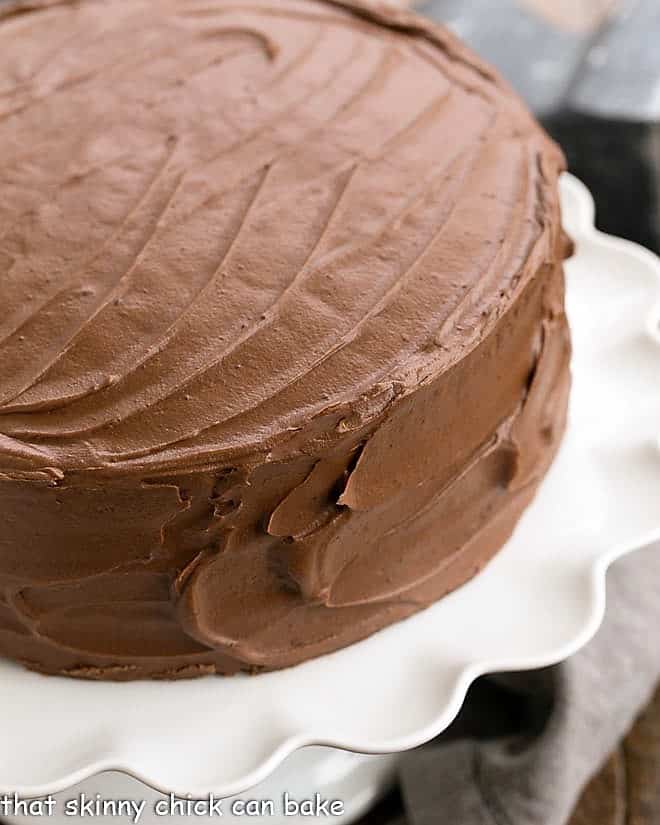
{"x":569,"y":719}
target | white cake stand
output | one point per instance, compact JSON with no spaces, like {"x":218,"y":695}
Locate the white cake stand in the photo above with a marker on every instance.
{"x":538,"y":602}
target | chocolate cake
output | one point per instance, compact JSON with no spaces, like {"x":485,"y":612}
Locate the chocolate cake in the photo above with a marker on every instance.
{"x":283,"y":352}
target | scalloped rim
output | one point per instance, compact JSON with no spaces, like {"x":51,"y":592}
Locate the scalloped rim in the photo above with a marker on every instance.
{"x":583,"y":229}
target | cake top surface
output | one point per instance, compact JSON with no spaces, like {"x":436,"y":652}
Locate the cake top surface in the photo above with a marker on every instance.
{"x":225,"y":220}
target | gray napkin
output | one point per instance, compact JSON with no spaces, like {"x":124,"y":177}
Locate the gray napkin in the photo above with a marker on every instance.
{"x":557,"y":726}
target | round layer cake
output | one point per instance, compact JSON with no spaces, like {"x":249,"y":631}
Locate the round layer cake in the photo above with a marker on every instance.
{"x":283,"y":352}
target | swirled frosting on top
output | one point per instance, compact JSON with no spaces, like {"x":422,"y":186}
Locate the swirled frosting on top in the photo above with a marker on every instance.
{"x":221,"y":219}
{"x":283,"y":353}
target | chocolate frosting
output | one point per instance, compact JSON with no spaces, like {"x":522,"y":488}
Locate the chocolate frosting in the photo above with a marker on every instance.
{"x":283,"y":353}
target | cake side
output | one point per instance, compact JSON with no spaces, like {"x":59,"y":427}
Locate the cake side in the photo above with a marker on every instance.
{"x":284,"y":355}
{"x":268,"y":563}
